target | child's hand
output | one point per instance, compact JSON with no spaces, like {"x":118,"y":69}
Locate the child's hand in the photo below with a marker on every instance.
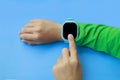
{"x":68,"y":66}
{"x":41,"y":31}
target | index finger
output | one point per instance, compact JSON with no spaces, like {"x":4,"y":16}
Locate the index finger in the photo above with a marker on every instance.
{"x":72,"y":46}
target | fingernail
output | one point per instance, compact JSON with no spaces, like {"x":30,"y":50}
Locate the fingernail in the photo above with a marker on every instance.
{"x":70,"y":36}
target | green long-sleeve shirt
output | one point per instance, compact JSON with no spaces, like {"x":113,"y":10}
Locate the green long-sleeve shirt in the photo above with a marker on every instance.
{"x":100,"y":38}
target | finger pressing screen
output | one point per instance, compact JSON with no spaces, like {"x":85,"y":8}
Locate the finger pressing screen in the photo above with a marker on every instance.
{"x":72,"y":46}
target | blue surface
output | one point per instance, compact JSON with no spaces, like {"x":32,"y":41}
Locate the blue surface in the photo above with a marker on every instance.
{"x":19,"y":61}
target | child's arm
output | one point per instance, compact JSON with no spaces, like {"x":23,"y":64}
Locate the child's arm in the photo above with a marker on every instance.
{"x":100,"y":38}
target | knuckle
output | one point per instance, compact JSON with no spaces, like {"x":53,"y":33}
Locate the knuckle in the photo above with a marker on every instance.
{"x":37,"y":36}
{"x":64,"y":50}
{"x":64,"y":65}
{"x":41,"y":23}
{"x":75,"y":62}
{"x":39,"y":29}
{"x":66,"y":62}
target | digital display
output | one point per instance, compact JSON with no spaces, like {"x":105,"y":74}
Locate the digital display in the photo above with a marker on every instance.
{"x":69,"y":28}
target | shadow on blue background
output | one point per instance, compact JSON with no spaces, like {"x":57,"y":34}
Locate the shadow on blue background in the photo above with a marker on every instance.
{"x":19,"y":61}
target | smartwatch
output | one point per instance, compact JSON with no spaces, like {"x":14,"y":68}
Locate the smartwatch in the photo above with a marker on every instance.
{"x":69,"y":27}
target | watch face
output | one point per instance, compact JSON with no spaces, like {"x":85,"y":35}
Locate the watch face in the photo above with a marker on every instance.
{"x":69,"y":28}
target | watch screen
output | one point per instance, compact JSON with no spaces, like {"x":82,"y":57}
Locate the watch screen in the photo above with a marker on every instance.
{"x":69,"y":28}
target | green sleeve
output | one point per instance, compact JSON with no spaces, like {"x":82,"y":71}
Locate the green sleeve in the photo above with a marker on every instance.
{"x":100,"y":38}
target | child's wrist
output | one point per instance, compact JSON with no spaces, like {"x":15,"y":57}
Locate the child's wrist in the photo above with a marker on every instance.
{"x":59,"y":33}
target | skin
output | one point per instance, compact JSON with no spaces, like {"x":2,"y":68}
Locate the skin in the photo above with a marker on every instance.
{"x":68,"y":66}
{"x":41,"y":32}
{"x":45,"y":31}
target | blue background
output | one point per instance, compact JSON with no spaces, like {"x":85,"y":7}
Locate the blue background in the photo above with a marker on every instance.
{"x":19,"y":61}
